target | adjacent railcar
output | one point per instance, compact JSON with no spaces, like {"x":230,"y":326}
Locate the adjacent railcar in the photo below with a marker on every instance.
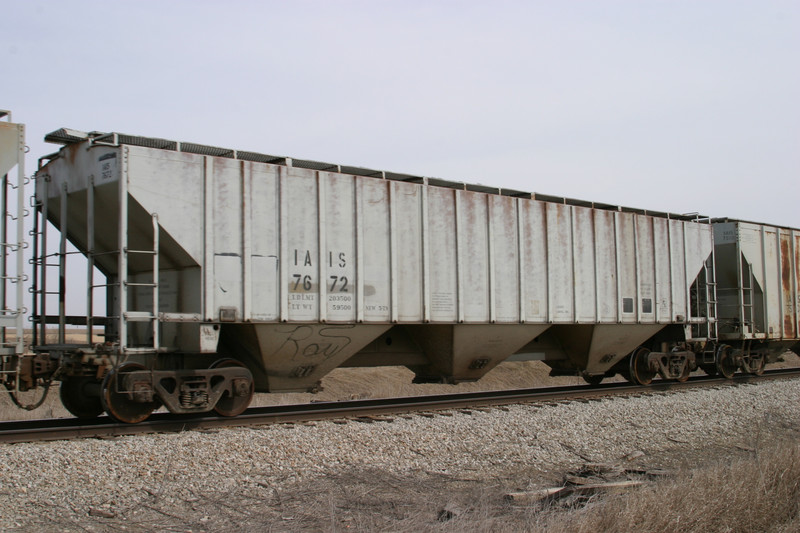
{"x":228,"y":272}
{"x":758,"y":275}
{"x":12,"y":244}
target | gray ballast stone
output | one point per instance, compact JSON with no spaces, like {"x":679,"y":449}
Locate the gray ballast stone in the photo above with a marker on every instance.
{"x":117,"y":477}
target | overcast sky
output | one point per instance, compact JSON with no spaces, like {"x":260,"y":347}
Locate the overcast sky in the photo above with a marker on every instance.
{"x":679,"y":106}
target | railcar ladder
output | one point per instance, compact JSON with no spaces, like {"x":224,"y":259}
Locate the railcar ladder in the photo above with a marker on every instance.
{"x":134,"y":315}
{"x":712,"y":324}
{"x":711,"y":298}
{"x":123,"y":283}
{"x":125,"y":315}
{"x":12,"y":154}
{"x":747,"y":297}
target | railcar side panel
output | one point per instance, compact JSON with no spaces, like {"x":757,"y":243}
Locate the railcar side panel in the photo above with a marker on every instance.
{"x":677,"y":254}
{"x":473,"y":255}
{"x":504,"y":258}
{"x":787,"y":290}
{"x":560,"y":274}
{"x":662,"y":271}
{"x":406,"y":256}
{"x":645,"y":269}
{"x":225,"y":237}
{"x":339,"y":253}
{"x":605,"y":251}
{"x":376,"y":254}
{"x":772,"y":275}
{"x":443,"y":255}
{"x":585,"y":282}
{"x":626,"y":266}
{"x":535,"y":264}
{"x":169,"y":183}
{"x":264,"y":224}
{"x":796,"y":248}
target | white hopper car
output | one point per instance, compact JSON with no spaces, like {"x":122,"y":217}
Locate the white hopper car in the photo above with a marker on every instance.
{"x":229,"y":272}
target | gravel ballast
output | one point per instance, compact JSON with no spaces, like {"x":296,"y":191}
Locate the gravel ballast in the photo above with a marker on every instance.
{"x":195,"y":477}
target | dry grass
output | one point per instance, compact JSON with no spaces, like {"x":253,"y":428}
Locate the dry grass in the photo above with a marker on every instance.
{"x":72,"y":336}
{"x":758,"y":491}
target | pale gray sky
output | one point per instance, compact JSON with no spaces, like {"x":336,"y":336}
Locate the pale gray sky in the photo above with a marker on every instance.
{"x":680,"y":106}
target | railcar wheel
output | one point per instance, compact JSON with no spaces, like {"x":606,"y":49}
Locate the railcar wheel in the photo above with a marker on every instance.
{"x":233,"y":405}
{"x":641,"y":374}
{"x":757,"y":369}
{"x":725,"y":363}
{"x":119,"y":405}
{"x":685,"y":375}
{"x":78,"y":400}
{"x":762,"y":362}
{"x":760,"y":367}
{"x":592,"y":379}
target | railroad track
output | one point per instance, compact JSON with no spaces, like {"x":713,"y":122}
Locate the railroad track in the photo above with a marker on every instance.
{"x":71,"y":428}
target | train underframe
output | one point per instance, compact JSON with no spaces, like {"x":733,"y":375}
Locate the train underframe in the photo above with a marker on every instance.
{"x":98,"y":379}
{"x":676,"y":361}
{"x":679,"y":361}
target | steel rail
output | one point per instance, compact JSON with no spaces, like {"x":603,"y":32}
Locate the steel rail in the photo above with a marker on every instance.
{"x":71,"y":428}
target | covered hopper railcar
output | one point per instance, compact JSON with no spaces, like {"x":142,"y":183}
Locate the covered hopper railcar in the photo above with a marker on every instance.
{"x":758,"y":293}
{"x":229,"y":272}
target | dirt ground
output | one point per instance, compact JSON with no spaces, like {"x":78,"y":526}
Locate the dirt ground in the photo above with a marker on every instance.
{"x":369,"y":499}
{"x":372,"y":500}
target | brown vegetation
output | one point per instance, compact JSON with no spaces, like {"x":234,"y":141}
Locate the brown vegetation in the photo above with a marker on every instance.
{"x":734,"y":491}
{"x":756,"y":491}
